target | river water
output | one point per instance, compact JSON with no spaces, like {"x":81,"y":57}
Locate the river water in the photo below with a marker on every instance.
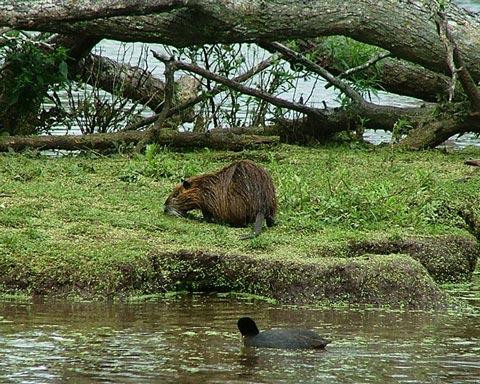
{"x":193,"y":339}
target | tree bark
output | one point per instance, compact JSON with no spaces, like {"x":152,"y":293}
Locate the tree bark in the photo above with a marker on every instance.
{"x":107,"y":141}
{"x":27,"y":14}
{"x":131,"y":82}
{"x":403,"y":27}
{"x":435,"y":132}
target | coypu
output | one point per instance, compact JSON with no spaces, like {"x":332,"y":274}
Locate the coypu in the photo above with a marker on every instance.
{"x":239,"y":194}
{"x":279,"y":338}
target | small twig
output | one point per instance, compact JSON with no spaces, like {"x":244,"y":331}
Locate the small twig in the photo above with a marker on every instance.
{"x":362,"y":67}
{"x":25,"y":37}
{"x":208,"y":85}
{"x":241,"y":88}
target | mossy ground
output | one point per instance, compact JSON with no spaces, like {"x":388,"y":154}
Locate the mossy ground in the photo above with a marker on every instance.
{"x":81,"y":221}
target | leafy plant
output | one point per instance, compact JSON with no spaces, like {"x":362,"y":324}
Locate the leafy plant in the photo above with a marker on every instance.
{"x":28,"y":73}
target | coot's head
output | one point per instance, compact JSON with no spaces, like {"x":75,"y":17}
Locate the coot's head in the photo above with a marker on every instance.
{"x":247,"y":327}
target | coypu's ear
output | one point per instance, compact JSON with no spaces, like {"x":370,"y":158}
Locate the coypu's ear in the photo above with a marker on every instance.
{"x":186,"y":184}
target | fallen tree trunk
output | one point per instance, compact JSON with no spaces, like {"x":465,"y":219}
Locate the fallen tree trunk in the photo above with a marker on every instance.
{"x":131,"y":82}
{"x":217,"y":21}
{"x":435,"y":132}
{"x":105,"y":141}
{"x":403,"y":27}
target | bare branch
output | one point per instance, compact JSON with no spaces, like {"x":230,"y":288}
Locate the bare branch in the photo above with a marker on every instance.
{"x":169,"y":90}
{"x":291,"y":55}
{"x":167,"y":103}
{"x":205,"y":95}
{"x":241,"y":88}
{"x":449,"y":49}
{"x":456,"y":63}
{"x":366,"y":65}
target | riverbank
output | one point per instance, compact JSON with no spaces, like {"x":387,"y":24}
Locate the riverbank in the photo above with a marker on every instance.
{"x":94,"y":225}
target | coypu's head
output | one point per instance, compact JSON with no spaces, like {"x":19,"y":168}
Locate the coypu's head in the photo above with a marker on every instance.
{"x":183,"y":198}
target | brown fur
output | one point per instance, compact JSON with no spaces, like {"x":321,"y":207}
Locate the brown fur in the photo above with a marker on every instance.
{"x":239,"y":194}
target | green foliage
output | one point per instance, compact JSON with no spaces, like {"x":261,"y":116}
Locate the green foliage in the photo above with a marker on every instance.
{"x":30,"y":72}
{"x":401,"y":127}
{"x":350,"y":53}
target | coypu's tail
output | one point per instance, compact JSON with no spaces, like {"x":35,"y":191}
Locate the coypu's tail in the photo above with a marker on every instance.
{"x":259,"y":220}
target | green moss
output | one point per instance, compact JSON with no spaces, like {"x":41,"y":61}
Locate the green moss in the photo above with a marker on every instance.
{"x":396,"y":280}
{"x":90,"y":224}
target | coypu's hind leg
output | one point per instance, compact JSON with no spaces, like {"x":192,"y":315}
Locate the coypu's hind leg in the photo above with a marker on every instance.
{"x":270,"y":221}
{"x":207,"y":216}
{"x":257,"y":227}
{"x":259,"y":223}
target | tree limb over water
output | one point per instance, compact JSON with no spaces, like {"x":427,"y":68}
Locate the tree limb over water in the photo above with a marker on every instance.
{"x":403,"y":27}
{"x":408,"y":30}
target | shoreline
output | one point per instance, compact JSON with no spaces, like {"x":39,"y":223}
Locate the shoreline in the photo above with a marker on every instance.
{"x":365,"y":226}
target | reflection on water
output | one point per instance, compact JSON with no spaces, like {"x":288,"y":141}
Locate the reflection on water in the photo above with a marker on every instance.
{"x":194,"y":340}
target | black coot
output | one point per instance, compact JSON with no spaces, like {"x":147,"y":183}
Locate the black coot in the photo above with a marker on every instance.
{"x":279,"y":338}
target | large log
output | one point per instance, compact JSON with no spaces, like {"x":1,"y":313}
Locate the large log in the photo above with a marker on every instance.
{"x":405,"y":28}
{"x":132,"y":82}
{"x":104,"y":141}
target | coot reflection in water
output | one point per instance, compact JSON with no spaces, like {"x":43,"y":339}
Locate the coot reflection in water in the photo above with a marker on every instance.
{"x":279,"y":338}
